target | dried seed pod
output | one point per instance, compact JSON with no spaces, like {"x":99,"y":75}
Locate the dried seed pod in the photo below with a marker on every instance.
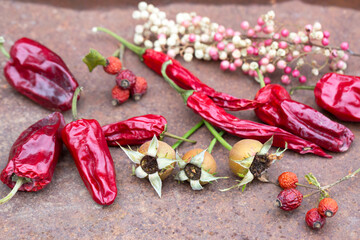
{"x":327,"y":207}
{"x":139,"y":88}
{"x":289,"y":199}
{"x":113,"y":65}
{"x":125,"y":79}
{"x":314,"y":220}
{"x":119,"y":95}
{"x":288,"y":180}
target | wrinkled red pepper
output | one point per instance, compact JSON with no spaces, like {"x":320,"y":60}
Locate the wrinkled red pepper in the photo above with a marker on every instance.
{"x":86,"y":142}
{"x":217,"y":116}
{"x":134,"y":131}
{"x":183,"y":77}
{"x":281,"y":111}
{"x":40,"y":74}
{"x":34,"y":154}
{"x":338,"y":94}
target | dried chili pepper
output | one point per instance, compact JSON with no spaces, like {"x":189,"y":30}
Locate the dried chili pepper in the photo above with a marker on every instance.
{"x":40,"y":74}
{"x":86,"y":142}
{"x":33,"y":156}
{"x":217,"y":116}
{"x":281,"y":111}
{"x":183,"y":77}
{"x":338,"y":94}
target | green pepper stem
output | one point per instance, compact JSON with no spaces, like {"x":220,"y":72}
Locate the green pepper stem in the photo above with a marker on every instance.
{"x":178,"y":137}
{"x":213,"y":142}
{"x":292,"y":90}
{"x":188,"y":134}
{"x":261,"y":78}
{"x":3,"y":50}
{"x":217,"y":136}
{"x":74,"y":103}
{"x":137,"y":50}
{"x":18,"y":184}
{"x":185,"y":94}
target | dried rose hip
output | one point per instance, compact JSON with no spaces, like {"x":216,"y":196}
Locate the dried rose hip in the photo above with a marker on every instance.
{"x":125,"y":79}
{"x":288,"y":180}
{"x":289,"y":199}
{"x":119,"y":95}
{"x":327,"y":207}
{"x":139,"y":88}
{"x":314,"y":220}
{"x":113,"y":65}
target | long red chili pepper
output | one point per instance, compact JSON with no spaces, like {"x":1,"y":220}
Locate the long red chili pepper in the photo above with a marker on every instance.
{"x":183,"y":77}
{"x":281,"y":111}
{"x":33,"y":156}
{"x":338,"y":94}
{"x":40,"y":74}
{"x":209,"y":111}
{"x":86,"y":142}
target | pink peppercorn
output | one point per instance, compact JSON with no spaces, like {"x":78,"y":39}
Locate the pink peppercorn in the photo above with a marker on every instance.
{"x":218,"y":37}
{"x":192,"y":37}
{"x":230,"y":47}
{"x":276,"y":36}
{"x":344,"y":46}
{"x":326,"y":34}
{"x":224,"y":65}
{"x":251,"y":32}
{"x":229,"y":32}
{"x":260,"y":21}
{"x":221,"y":45}
{"x":295,"y":73}
{"x":287,"y":70}
{"x":267,"y":42}
{"x":283,"y":44}
{"x":232,"y":67}
{"x":281,"y":64}
{"x":307,"y":48}
{"x":302,"y":79}
{"x":285,"y":79}
{"x":250,"y":50}
{"x":267,"y":80}
{"x":270,"y":68}
{"x":244,"y":25}
{"x":325,"y":41}
{"x":284,"y":32}
{"x":238,"y":62}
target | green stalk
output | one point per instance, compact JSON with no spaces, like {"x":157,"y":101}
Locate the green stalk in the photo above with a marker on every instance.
{"x":137,"y":50}
{"x":261,"y":78}
{"x":213,"y":142}
{"x":218,"y":136}
{"x":292,"y":90}
{"x":178,"y":137}
{"x":18,"y":184}
{"x":188,"y":134}
{"x":74,"y":103}
{"x":3,"y":50}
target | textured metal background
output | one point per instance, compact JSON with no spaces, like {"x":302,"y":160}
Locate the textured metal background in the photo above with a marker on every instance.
{"x":65,"y":210}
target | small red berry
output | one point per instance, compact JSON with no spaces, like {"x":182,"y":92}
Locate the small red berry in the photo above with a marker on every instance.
{"x":139,"y":88}
{"x":119,"y":95}
{"x":288,"y":180}
{"x":289,"y":199}
{"x":113,"y":65}
{"x":327,"y":207}
{"x":314,"y":220}
{"x":125,"y":79}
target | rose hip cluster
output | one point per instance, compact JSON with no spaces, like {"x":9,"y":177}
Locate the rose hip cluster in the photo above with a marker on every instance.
{"x":127,"y":83}
{"x":290,"y":198}
{"x":264,"y":46}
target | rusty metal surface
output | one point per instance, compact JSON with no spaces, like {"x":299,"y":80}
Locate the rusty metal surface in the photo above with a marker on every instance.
{"x":65,"y":210}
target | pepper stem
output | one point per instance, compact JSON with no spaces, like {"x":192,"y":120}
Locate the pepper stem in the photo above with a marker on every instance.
{"x":185,"y":94}
{"x":74,"y":103}
{"x":292,"y":90}
{"x":188,"y":134}
{"x":218,"y":136}
{"x":137,"y":50}
{"x":261,"y":78}
{"x":178,"y":137}
{"x":213,"y":142}
{"x":18,"y":184}
{"x":3,"y":50}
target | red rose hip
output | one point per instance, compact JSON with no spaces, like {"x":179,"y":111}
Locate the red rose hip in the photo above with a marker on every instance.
{"x":314,"y":220}
{"x":139,"y":88}
{"x":327,"y":207}
{"x":288,"y":180}
{"x":289,"y":199}
{"x":125,"y":79}
{"x":113,"y":65}
{"x":119,"y":95}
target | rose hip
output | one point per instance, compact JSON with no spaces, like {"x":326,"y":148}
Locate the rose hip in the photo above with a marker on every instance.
{"x":113,"y":65}
{"x":139,"y":88}
{"x":119,"y":95}
{"x":288,"y":180}
{"x":125,"y":79}
{"x":289,"y":199}
{"x":314,"y":220}
{"x":327,"y":207}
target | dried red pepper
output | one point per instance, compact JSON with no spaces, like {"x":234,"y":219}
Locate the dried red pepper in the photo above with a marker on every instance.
{"x":338,"y":94}
{"x":33,"y":156}
{"x":134,"y":131}
{"x":281,"y":111}
{"x":40,"y":74}
{"x":86,"y":142}
{"x":217,"y":116}
{"x":183,"y":77}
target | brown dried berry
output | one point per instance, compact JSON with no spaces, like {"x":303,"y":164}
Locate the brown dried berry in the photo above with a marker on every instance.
{"x":289,"y":199}
{"x":125,"y":79}
{"x":119,"y":95}
{"x":139,"y":88}
{"x":314,"y":220}
{"x":113,"y":65}
{"x":327,"y":207}
{"x":288,"y":180}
